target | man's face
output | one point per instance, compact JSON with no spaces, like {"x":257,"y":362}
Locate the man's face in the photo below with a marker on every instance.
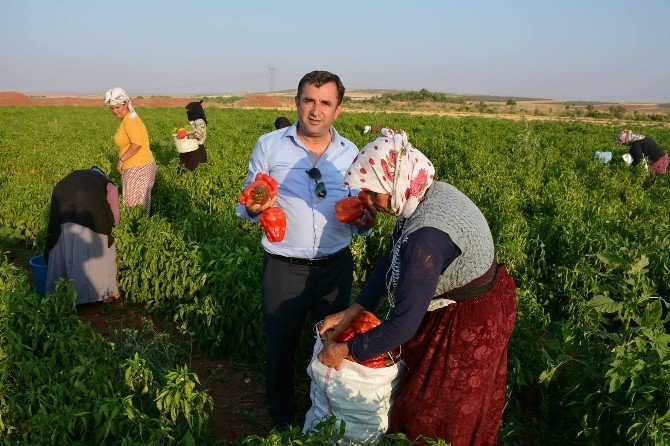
{"x":317,"y":109}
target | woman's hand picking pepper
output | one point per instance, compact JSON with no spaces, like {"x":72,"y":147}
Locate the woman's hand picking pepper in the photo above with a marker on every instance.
{"x":368,"y":218}
{"x":273,"y":221}
{"x":333,"y":354}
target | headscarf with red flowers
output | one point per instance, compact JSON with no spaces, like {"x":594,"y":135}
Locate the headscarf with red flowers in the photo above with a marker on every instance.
{"x":390,"y":165}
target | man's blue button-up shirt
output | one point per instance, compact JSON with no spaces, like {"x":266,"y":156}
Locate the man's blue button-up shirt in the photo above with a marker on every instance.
{"x":312,"y":230}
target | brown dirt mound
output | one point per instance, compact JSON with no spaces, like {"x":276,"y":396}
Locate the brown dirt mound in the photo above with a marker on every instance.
{"x":14,"y":98}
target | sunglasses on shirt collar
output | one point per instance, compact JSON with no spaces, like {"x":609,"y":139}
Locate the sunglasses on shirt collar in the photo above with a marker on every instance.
{"x":320,"y":188}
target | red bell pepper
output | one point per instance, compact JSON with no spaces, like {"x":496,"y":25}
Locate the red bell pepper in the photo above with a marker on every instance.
{"x":347,"y":334}
{"x":349,"y":209}
{"x":273,"y":221}
{"x":365,"y":322}
{"x":377,"y":362}
{"x":259,"y":191}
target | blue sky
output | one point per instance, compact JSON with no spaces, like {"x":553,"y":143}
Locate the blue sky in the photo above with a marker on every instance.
{"x":615,"y":50}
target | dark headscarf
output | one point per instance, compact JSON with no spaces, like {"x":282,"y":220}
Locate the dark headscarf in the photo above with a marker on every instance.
{"x":282,"y":122}
{"x":195,"y":111}
{"x":81,"y":198}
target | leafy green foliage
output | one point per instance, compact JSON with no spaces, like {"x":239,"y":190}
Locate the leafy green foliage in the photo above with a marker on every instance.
{"x":62,"y":384}
{"x":587,"y":359}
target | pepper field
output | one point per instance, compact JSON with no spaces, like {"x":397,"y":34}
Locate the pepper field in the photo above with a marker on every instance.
{"x":587,"y":244}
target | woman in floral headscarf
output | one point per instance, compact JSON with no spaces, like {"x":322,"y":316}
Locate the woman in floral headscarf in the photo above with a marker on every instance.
{"x":453,"y":306}
{"x":642,"y":146}
{"x":136,"y":162}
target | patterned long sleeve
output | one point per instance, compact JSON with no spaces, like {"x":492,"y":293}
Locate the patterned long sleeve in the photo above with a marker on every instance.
{"x":424,"y":257}
{"x":199,"y":131}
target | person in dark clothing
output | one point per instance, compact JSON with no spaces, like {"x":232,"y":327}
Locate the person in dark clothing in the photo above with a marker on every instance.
{"x":197,"y":119}
{"x":282,"y":122}
{"x":453,"y":306}
{"x":79,"y":244}
{"x":644,"y":147}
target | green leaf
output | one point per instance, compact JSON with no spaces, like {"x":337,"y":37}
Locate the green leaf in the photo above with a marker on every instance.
{"x":604,"y":304}
{"x":639,"y":266}
{"x":652,"y":313}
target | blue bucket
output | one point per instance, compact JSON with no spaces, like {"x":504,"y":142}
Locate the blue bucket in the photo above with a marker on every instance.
{"x":39,"y":268}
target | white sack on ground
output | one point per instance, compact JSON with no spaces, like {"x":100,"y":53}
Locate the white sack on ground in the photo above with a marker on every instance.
{"x":360,"y":396}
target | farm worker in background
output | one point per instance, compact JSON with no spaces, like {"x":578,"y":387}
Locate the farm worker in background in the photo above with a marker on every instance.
{"x":642,"y":146}
{"x":136,"y":162}
{"x":372,"y":128}
{"x":196,"y":117}
{"x":453,"y":305}
{"x":311,"y":270}
{"x":79,"y":244}
{"x":282,"y":122}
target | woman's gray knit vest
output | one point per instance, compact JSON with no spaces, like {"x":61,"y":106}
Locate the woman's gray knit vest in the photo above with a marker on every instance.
{"x":449,"y":210}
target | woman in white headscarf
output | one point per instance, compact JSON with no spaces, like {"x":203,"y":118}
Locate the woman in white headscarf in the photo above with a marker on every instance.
{"x":452,"y":306}
{"x":136,"y":164}
{"x":644,"y":147}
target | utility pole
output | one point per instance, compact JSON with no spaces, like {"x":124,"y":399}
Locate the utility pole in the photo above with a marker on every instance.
{"x":271,"y":73}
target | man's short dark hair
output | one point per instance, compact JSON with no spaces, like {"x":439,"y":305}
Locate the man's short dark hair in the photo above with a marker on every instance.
{"x":319,"y":78}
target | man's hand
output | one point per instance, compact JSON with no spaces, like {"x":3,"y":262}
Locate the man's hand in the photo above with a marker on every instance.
{"x":255,"y":209}
{"x":368,"y":219}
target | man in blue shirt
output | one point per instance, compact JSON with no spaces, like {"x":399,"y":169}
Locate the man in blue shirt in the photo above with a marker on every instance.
{"x":311,"y":269}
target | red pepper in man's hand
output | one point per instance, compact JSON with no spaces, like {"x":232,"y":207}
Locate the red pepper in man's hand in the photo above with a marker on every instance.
{"x":273,"y":221}
{"x":259,"y":191}
{"x":350,"y":209}
{"x":181,"y":134}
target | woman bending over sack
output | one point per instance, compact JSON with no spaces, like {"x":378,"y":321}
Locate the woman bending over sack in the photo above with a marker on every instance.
{"x":642,"y":146}
{"x":453,"y":305}
{"x":80,"y":245}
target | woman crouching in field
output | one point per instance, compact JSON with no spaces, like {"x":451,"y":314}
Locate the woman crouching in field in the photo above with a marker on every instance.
{"x":453,"y":306}
{"x":136,"y":162}
{"x":79,"y":245}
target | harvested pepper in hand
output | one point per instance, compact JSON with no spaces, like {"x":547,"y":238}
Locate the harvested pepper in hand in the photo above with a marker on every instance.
{"x":259,"y":191}
{"x":273,"y":221}
{"x":350,"y":209}
{"x":347,"y":334}
{"x":181,"y":134}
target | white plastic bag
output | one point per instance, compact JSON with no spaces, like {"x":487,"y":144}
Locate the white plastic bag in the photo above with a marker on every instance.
{"x":360,"y":396}
{"x":604,"y":157}
{"x":627,"y":158}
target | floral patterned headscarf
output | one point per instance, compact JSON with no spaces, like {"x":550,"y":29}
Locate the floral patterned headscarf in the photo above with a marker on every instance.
{"x":627,"y":136}
{"x":390,"y":165}
{"x":118,"y":96}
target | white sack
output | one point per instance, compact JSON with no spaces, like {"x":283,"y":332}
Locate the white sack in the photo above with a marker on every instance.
{"x":360,"y":396}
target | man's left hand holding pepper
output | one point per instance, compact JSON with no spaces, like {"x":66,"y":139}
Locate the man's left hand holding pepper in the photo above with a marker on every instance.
{"x":368,"y":219}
